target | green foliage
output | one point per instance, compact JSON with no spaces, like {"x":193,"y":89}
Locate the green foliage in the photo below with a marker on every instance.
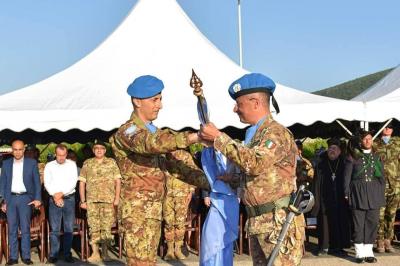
{"x":311,"y":145}
{"x":352,"y":88}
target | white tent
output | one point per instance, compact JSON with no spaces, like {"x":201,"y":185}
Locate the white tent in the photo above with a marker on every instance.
{"x":384,"y":108}
{"x":381,"y":101}
{"x":386,"y":85}
{"x":155,"y":38}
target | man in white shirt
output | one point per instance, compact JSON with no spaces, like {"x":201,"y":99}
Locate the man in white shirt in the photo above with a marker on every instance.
{"x":60,"y":178}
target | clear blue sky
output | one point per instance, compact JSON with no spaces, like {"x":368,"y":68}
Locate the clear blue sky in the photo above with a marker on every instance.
{"x":308,"y":44}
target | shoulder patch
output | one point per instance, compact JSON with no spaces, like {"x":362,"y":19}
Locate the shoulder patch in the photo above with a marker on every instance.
{"x":130,"y":131}
{"x":269,"y":144}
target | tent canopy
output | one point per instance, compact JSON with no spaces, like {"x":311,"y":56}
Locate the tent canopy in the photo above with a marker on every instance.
{"x":382,"y":100}
{"x":386,"y":85}
{"x":156,"y":38}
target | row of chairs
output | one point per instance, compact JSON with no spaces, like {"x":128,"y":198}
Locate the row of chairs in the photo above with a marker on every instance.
{"x":40,"y":236}
{"x":40,"y":233}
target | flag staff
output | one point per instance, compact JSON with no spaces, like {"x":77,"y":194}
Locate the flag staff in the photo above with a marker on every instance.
{"x":240,"y":35}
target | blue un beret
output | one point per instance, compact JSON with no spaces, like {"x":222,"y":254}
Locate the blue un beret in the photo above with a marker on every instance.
{"x":251,"y":83}
{"x":145,"y":87}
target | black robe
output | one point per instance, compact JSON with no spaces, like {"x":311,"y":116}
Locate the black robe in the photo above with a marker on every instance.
{"x":331,"y":207}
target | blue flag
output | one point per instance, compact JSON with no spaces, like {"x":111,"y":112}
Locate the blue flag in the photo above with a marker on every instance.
{"x":220,"y":229}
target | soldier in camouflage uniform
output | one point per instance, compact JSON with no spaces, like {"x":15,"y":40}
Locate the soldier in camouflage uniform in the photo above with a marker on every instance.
{"x":388,"y":149}
{"x":145,"y":155}
{"x":267,"y":160}
{"x":175,"y":209}
{"x":304,"y":168}
{"x":99,"y":189}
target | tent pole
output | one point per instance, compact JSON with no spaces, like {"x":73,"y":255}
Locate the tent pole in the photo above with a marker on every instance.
{"x":344,"y":127}
{"x":240,"y":35}
{"x":382,"y":128}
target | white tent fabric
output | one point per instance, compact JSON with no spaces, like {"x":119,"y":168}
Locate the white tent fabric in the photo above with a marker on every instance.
{"x":384,"y":108}
{"x":155,"y":38}
{"x":381,"y":101}
{"x":386,"y":85}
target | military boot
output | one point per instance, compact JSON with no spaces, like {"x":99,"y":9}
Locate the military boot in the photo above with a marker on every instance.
{"x":170,"y":251}
{"x":95,"y":257}
{"x":388,"y":246}
{"x":178,"y":250}
{"x":380,"y":246}
{"x":104,"y":251}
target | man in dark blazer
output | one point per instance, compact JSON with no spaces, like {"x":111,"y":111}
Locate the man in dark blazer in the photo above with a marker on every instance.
{"x":20,"y":188}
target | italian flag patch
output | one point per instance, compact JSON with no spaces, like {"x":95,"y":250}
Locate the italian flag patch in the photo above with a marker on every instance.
{"x":269,"y":144}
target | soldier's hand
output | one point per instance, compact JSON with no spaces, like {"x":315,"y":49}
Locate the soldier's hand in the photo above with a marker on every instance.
{"x":193,"y":138}
{"x":4,"y":207}
{"x":209,"y":132}
{"x":207,"y":201}
{"x":83,"y":205}
{"x":116,"y":202}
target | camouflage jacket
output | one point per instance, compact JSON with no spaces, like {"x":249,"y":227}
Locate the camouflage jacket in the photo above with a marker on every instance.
{"x":178,"y":188}
{"x":100,"y":179}
{"x":304,"y":171}
{"x":145,"y":159}
{"x":268,"y":166}
{"x":390,"y":156}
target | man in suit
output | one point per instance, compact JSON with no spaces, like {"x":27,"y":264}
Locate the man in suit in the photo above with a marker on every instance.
{"x":20,"y":188}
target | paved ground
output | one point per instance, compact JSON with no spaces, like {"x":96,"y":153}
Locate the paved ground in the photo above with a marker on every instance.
{"x":244,"y":260}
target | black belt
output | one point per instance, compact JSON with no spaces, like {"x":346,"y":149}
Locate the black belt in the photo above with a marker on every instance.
{"x":253,"y":211}
{"x":18,"y":193}
{"x":69,"y":196}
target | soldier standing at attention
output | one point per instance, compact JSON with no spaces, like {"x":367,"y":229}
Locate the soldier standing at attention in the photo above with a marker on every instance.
{"x":304,"y":168}
{"x":99,"y":190}
{"x":267,"y":160}
{"x":388,"y":149}
{"x":175,"y":209}
{"x":145,"y":155}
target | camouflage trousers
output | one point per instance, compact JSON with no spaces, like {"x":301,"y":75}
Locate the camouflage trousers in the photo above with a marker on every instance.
{"x":100,"y":217}
{"x":174,"y":214}
{"x":141,"y":224}
{"x":291,"y":251}
{"x":387,"y":217}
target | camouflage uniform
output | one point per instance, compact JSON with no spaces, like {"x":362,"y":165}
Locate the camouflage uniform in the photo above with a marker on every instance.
{"x":304,"y":171}
{"x":175,"y":208}
{"x":390,"y":156}
{"x":100,"y":194}
{"x":144,"y":158}
{"x":268,"y":173}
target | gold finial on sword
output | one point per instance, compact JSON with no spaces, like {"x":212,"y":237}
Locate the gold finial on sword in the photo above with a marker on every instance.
{"x":196,"y":84}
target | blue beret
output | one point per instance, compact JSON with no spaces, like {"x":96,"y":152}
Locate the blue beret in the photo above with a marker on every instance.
{"x":251,"y":83}
{"x":145,"y":87}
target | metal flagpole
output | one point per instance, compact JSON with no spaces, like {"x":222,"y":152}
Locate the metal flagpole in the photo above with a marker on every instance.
{"x":240,"y":35}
